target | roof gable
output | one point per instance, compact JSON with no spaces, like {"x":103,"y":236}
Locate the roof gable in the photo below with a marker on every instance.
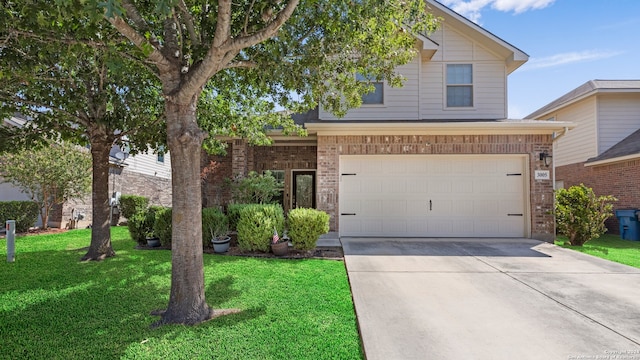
{"x":591,"y":87}
{"x":514,"y":57}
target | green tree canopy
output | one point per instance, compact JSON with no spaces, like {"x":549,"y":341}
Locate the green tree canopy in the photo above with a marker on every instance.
{"x":296,"y":54}
{"x":50,"y":175}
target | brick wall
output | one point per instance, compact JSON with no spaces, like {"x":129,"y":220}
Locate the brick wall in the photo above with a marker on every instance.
{"x":241,"y":159}
{"x":621,"y":180}
{"x":331,"y":147}
{"x":157,"y":189}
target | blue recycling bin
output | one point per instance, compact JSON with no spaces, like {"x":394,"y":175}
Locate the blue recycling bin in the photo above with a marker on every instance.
{"x":629,"y":225}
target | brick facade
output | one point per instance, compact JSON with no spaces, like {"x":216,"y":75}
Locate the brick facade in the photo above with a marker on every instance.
{"x":157,"y":189}
{"x":541,"y":191}
{"x":621,"y":180}
{"x":242,"y":158}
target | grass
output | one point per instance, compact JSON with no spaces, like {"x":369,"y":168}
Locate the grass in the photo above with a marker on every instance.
{"x":54,"y":307}
{"x":610,"y":247}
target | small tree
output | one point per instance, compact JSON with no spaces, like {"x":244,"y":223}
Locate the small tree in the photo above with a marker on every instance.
{"x":50,"y":175}
{"x":254,"y":189}
{"x":580,"y":214}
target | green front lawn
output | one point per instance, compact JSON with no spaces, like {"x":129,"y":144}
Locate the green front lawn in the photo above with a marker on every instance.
{"x":54,"y":307}
{"x":609,"y":247}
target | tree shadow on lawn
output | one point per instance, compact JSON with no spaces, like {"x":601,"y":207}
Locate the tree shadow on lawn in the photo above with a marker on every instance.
{"x":58,"y":307}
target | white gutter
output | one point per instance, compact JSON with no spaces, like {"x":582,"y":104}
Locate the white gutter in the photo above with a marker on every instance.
{"x":613,"y":160}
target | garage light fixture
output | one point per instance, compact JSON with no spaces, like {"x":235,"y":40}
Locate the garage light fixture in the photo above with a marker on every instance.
{"x":546,"y":158}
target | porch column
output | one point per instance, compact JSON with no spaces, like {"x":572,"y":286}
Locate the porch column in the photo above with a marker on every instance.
{"x":239,"y":155}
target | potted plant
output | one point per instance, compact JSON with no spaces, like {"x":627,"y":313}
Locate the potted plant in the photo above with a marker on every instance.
{"x":149,"y":223}
{"x":220,"y":238}
{"x":279,"y":245}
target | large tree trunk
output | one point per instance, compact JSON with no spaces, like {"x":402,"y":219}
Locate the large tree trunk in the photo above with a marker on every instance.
{"x":100,"y":247}
{"x":187,"y":303}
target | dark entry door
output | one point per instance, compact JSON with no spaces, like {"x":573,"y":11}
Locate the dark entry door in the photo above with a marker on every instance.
{"x":304,"y":189}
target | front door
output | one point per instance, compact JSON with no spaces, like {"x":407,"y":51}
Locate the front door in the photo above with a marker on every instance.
{"x":304,"y":189}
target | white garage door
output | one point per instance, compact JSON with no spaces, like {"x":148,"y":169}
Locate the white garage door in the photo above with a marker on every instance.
{"x":432,"y":196}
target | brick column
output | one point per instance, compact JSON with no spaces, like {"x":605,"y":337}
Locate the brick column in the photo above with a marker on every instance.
{"x":239,"y":158}
{"x":327,"y":178}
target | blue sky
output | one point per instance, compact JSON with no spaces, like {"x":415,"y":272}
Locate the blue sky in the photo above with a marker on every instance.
{"x":569,"y":42}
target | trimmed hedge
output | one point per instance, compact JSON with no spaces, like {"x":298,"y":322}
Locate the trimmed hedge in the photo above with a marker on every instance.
{"x":306,"y":226}
{"x":233,"y":215}
{"x":132,"y":204}
{"x":25,"y":213}
{"x":213,"y":220}
{"x":162,"y":226}
{"x":136,"y":226}
{"x":256,"y":225}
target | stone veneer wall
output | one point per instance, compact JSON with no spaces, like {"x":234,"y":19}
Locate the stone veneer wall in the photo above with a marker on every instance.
{"x":331,"y":147}
{"x":621,"y":180}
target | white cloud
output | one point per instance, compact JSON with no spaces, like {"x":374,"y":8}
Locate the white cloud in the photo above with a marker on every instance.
{"x":472,"y":9}
{"x":569,"y":58}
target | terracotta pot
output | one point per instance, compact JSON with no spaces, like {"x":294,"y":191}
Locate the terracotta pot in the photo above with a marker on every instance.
{"x":280,"y":249}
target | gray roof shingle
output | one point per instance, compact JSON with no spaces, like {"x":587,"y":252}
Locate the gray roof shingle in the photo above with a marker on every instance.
{"x":628,"y":146}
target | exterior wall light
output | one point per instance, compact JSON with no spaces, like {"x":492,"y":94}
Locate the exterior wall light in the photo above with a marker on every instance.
{"x":546,"y":158}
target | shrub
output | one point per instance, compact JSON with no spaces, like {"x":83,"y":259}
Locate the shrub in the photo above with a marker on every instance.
{"x":257,"y":224}
{"x":25,"y":213}
{"x":213,"y":221}
{"x":233,"y":215}
{"x":580,"y":214}
{"x":131,"y":204}
{"x":254,"y":189}
{"x":141,"y":224}
{"x":136,"y":226}
{"x":306,"y":226}
{"x":162,"y":226}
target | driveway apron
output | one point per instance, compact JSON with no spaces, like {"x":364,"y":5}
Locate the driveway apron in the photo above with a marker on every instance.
{"x":491,"y":299}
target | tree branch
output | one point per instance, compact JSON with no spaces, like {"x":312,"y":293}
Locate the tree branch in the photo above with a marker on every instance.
{"x":242,"y":64}
{"x":268,"y":31}
{"x":195,"y":38}
{"x":171,"y":48}
{"x":223,"y":25}
{"x":141,"y":42}
{"x":246,"y":18}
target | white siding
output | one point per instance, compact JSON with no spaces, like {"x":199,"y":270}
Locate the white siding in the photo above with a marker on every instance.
{"x":618,"y":117}
{"x":399,"y":103}
{"x":423,"y":94}
{"x":148,"y":164}
{"x":578,"y":144}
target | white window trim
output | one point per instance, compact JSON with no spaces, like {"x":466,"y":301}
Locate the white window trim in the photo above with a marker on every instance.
{"x":384,"y":95}
{"x":445,"y":107}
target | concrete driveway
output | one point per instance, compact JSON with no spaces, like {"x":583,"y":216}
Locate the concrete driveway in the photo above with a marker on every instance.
{"x":491,"y":299}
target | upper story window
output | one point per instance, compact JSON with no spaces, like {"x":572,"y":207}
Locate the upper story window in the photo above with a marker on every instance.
{"x":376,"y":97}
{"x":459,"y":85}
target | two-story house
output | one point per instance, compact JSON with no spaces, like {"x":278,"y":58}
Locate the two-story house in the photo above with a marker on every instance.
{"x":435,"y":158}
{"x":603,"y":151}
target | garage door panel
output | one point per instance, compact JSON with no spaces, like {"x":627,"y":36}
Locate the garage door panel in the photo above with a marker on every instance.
{"x":470,"y":196}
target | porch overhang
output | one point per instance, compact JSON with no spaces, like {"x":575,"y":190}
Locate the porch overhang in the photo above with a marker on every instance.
{"x":500,"y":127}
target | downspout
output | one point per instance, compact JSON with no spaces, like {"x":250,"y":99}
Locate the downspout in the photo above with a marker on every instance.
{"x":553,"y":159}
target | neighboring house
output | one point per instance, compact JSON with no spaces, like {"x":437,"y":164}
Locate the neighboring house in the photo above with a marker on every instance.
{"x":603,"y":151}
{"x":143,"y":174}
{"x":435,"y":158}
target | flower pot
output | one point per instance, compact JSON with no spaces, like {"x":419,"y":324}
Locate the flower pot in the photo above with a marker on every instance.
{"x":280,"y":249}
{"x":221,"y":245}
{"x":153,"y":242}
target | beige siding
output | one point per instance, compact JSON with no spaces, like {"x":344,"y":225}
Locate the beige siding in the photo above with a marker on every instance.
{"x":580,"y":143}
{"x":148,"y":164}
{"x":400,"y":103}
{"x":489,"y":79}
{"x":618,"y":117}
{"x":423,"y":94}
{"x":9,"y":192}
